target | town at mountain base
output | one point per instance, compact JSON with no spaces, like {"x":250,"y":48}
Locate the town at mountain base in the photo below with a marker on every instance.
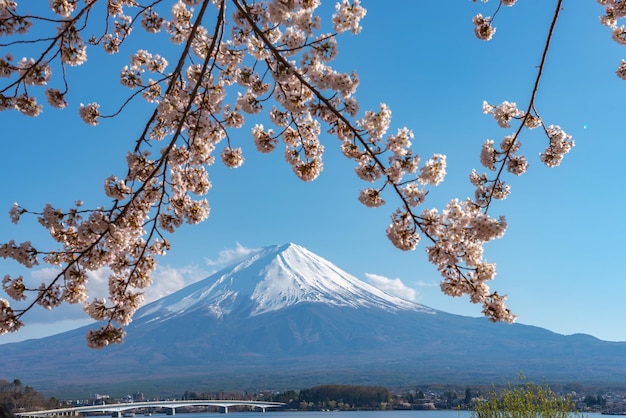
{"x":286,"y":318}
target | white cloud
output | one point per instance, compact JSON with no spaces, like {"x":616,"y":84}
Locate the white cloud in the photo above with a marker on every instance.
{"x":392,"y":286}
{"x":231,"y":255}
{"x":44,"y":274}
{"x":168,"y":279}
{"x":421,"y":283}
{"x":39,"y":315}
{"x":165,"y":280}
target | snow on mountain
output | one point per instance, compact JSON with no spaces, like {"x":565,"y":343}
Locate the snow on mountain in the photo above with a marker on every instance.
{"x":274,"y":278}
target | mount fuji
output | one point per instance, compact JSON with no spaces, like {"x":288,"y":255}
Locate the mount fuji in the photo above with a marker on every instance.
{"x":275,"y":278}
{"x":285,"y":318}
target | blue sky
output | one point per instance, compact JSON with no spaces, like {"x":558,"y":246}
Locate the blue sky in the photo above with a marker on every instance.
{"x":560,"y":260}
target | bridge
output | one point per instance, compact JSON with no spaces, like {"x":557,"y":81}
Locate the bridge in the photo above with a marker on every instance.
{"x":118,"y":408}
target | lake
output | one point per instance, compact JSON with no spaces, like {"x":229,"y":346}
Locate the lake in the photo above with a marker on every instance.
{"x":352,"y":414}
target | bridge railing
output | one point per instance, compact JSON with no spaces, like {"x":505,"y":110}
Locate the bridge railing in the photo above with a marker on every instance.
{"x":171,"y":405}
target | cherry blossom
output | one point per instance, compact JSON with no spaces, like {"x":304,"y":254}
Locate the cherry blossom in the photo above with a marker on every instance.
{"x":614,"y":11}
{"x":483,"y":28}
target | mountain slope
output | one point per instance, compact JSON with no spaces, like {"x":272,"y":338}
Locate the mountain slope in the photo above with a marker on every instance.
{"x":286,"y":318}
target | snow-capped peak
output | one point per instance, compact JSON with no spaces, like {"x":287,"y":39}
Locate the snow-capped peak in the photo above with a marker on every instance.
{"x":274,"y":278}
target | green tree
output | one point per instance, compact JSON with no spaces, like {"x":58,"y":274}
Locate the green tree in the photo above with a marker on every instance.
{"x":362,"y":397}
{"x":468,"y":396}
{"x":17,"y":384}
{"x":289,"y":397}
{"x":525,"y":400}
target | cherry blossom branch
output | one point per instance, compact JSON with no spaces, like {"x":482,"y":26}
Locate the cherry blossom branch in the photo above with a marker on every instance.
{"x":339,"y":115}
{"x":527,"y":120}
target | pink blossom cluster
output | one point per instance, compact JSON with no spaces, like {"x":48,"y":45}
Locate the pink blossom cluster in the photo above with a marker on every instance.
{"x":614,"y":10}
{"x":507,"y":155}
{"x":462,"y":227}
{"x":483,"y":25}
{"x":460,"y":231}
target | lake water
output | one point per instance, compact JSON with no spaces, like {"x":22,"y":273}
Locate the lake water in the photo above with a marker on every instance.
{"x":331,"y":414}
{"x":346,"y":414}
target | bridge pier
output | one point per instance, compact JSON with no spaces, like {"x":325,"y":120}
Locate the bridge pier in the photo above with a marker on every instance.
{"x":225,"y":409}
{"x":171,"y":411}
